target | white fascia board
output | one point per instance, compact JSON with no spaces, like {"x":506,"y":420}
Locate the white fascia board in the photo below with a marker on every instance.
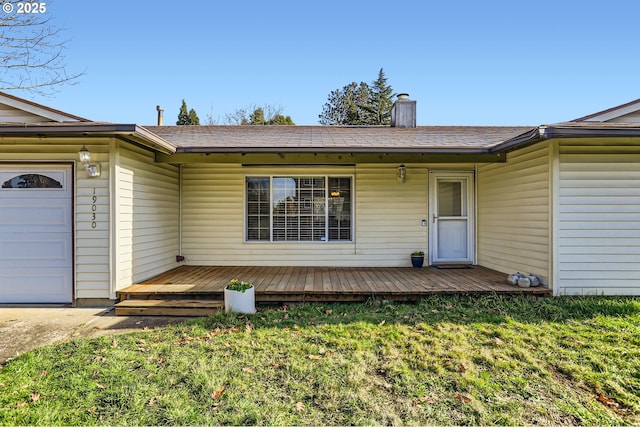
{"x":38,"y":111}
{"x":618,"y":112}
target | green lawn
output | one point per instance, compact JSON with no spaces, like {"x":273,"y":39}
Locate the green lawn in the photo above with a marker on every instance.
{"x":487,"y":360}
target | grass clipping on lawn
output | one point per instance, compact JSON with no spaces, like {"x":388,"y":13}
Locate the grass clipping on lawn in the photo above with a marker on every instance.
{"x":448,"y":360}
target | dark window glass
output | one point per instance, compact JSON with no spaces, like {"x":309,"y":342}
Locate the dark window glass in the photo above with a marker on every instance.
{"x":298,"y":209}
{"x":31,"y":180}
{"x":339,"y":208}
{"x":258,"y":227}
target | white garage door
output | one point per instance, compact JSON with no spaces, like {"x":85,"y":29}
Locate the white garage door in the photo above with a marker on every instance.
{"x":35,"y":234}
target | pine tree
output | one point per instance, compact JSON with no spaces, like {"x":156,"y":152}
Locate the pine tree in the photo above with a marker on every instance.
{"x":257,"y":117}
{"x":380,"y":101}
{"x":344,"y":106}
{"x":193,"y":117}
{"x":359,"y":104}
{"x":279,"y":119}
{"x":187,"y":117}
{"x":333,"y":111}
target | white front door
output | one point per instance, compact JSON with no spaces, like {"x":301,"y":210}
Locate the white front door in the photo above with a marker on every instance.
{"x":36,"y":234}
{"x":451,"y":215}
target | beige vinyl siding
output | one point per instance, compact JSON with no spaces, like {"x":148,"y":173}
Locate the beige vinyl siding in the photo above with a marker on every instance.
{"x":92,"y":276}
{"x":513,"y":212}
{"x":213,"y":218}
{"x":13,"y":115}
{"x":148,"y":216}
{"x":390,"y":214}
{"x":212,"y":214}
{"x":599,"y":219}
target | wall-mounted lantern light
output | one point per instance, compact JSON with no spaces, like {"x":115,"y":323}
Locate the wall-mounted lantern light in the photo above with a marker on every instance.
{"x":402,"y":174}
{"x":92,"y":168}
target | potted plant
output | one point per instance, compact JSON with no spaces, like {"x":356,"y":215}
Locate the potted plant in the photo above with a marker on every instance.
{"x":417,"y":259}
{"x":239,"y":297}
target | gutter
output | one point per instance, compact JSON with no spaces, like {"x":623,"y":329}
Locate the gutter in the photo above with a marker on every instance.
{"x":128,"y":132}
{"x":333,"y":150}
{"x":567,"y":130}
{"x":534,"y":136}
{"x":156,"y":141}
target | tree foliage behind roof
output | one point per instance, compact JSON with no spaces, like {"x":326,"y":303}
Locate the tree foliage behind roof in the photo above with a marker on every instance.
{"x":380,"y":101}
{"x":359,"y":104}
{"x":31,"y":52}
{"x":252,"y":115}
{"x":187,"y":117}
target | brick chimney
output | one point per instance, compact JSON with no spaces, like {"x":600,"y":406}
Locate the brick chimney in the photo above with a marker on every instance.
{"x":403,"y":112}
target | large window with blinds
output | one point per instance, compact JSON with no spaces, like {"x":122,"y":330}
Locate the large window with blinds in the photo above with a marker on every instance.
{"x":298,"y":208}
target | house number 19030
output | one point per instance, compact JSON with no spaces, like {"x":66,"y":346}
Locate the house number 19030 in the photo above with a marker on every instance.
{"x":94,"y":208}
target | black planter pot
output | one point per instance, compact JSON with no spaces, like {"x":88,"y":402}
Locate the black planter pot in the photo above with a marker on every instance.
{"x":417,"y":261}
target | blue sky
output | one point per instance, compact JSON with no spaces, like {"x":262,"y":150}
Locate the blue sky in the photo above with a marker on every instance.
{"x":465,"y":62}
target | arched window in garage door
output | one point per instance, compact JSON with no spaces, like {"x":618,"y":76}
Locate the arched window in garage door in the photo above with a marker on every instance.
{"x":31,"y":180}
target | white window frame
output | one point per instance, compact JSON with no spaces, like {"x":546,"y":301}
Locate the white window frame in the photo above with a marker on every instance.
{"x":327,"y":191}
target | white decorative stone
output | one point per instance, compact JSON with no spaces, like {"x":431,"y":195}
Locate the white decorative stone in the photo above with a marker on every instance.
{"x":524,"y":282}
{"x":512,"y":279}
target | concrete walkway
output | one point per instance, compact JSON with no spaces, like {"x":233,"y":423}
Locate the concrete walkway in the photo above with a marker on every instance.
{"x":24,"y":328}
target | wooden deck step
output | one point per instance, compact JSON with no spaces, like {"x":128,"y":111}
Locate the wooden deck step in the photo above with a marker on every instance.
{"x":162,"y":292}
{"x":165,"y":307}
{"x":193,"y":285}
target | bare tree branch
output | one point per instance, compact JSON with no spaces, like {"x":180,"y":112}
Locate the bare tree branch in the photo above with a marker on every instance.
{"x":31,"y":51}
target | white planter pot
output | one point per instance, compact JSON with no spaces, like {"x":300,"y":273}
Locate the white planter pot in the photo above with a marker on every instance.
{"x":240,"y":302}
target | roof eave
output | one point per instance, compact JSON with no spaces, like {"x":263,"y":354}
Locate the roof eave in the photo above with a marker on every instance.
{"x":531,"y":137}
{"x":354,"y":150}
{"x":560,"y":131}
{"x":565,"y":131}
{"x":130,"y":132}
{"x":159,"y":143}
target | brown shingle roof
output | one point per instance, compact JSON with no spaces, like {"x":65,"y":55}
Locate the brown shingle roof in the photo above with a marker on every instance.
{"x":335,"y":138}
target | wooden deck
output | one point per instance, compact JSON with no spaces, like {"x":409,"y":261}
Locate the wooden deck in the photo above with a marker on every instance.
{"x":296,"y":284}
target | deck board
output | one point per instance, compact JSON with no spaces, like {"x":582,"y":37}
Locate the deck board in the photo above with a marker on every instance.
{"x":284,"y":284}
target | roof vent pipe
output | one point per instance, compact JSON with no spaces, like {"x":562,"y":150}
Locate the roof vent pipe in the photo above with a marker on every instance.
{"x":160,"y":111}
{"x":403,"y":112}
